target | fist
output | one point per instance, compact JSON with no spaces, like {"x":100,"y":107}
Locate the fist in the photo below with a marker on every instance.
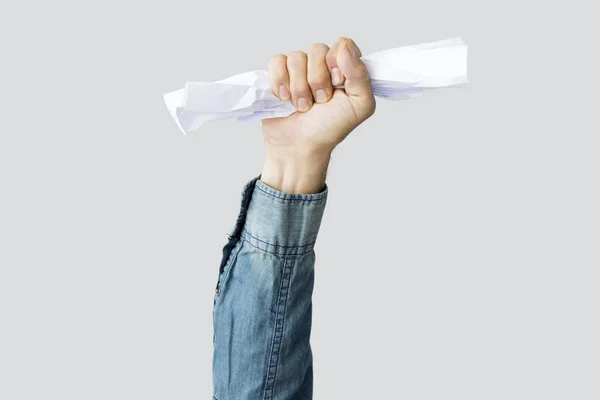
{"x":331,"y":91}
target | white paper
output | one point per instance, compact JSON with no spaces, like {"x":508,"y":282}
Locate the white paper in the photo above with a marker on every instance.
{"x":398,"y":73}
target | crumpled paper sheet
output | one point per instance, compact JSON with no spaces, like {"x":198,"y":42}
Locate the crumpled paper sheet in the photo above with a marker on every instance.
{"x":397,"y":73}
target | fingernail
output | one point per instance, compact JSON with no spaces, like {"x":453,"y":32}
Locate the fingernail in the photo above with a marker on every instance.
{"x":336,"y":77}
{"x":354,"y":51}
{"x":321,"y":96}
{"x":302,"y":104}
{"x":283,"y":93}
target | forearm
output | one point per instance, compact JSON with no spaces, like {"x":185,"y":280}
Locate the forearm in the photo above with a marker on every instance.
{"x":263,"y":304}
{"x":299,"y":172}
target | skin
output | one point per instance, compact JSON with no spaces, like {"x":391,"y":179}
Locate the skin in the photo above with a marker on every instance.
{"x":298,"y":147}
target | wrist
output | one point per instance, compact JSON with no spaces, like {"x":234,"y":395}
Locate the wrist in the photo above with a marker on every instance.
{"x":301,"y":172}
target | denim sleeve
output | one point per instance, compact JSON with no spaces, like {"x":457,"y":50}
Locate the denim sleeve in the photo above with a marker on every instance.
{"x":263,"y":300}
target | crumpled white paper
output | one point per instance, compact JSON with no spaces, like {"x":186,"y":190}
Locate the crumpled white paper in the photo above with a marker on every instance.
{"x":402,"y":72}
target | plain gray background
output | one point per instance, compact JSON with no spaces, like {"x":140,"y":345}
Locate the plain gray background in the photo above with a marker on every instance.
{"x":459,"y":252}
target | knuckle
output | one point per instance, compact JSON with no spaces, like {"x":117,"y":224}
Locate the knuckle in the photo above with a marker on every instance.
{"x":277,"y":59}
{"x":318,"y":48}
{"x":348,"y":42}
{"x":296,"y":57}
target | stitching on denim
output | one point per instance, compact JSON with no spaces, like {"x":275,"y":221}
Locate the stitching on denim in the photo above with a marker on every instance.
{"x":276,"y":345}
{"x":274,"y":253}
{"x":321,"y":197}
{"x":277,"y":245}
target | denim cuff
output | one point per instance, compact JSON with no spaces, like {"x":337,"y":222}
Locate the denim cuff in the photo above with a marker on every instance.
{"x":280,"y":223}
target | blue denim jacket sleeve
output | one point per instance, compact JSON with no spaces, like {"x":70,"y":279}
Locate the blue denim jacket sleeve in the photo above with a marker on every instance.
{"x":263,"y":300}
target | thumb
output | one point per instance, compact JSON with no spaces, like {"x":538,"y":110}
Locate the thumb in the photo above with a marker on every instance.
{"x":358,"y":82}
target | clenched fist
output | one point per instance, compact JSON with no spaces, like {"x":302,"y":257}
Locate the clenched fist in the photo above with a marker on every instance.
{"x":298,"y":146}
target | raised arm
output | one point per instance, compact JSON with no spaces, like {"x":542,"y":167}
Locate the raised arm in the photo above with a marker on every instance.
{"x":263,"y":307}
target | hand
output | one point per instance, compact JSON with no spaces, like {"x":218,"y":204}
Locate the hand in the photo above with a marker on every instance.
{"x":299,"y":146}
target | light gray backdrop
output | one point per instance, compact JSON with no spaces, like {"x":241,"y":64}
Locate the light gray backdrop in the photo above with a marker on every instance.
{"x":459,"y":252}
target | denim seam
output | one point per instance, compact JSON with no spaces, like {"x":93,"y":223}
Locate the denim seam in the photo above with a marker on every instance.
{"x":278,"y":329}
{"x":275,"y":253}
{"x":278,"y":245}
